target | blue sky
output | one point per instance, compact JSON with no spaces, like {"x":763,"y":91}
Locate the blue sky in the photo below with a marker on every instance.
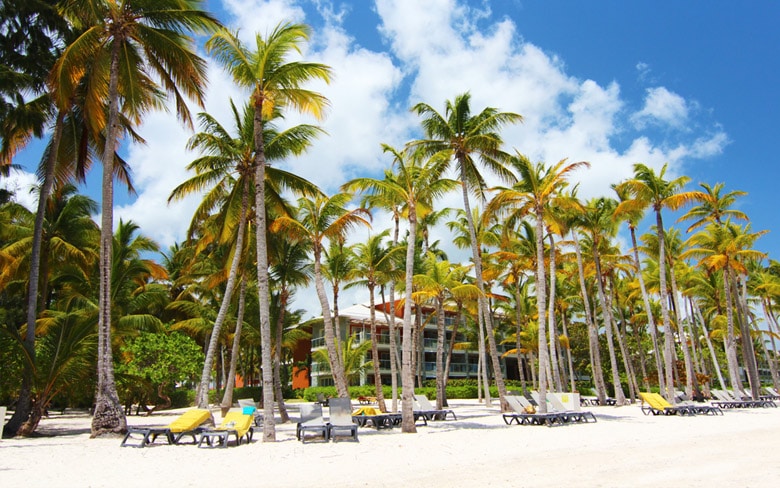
{"x":694,"y":84}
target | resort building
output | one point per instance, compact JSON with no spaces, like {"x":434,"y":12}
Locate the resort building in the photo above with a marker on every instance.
{"x":355,"y":321}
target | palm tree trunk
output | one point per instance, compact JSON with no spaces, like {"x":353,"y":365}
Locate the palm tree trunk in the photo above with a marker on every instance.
{"x":450,"y":348}
{"x":518,"y":330}
{"x":593,"y":334}
{"x":202,"y":400}
{"x":748,"y":351}
{"x":440,"y":333}
{"x":731,"y":342}
{"x":109,"y":417}
{"x":551,"y":321}
{"x":336,"y":368}
{"x":263,"y":288}
{"x":227,"y":396}
{"x":606,"y":314}
{"x":711,"y":348}
{"x":659,"y":365}
{"x":407,"y":377}
{"x":23,"y":403}
{"x":484,"y":309}
{"x":669,"y":361}
{"x":619,"y":333}
{"x":390,"y":319}
{"x":380,"y":396}
{"x":770,"y":320}
{"x":691,"y":384}
{"x":540,"y":310}
{"x":482,"y":368}
{"x":572,"y":385}
{"x":284,"y":296}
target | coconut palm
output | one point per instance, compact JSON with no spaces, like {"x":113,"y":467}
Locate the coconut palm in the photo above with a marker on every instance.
{"x":417,"y":183}
{"x":275,"y":83}
{"x":320,"y":220}
{"x":148,"y":38}
{"x":650,"y":189}
{"x":374,"y":264}
{"x":538,"y":187}
{"x":464,"y":140}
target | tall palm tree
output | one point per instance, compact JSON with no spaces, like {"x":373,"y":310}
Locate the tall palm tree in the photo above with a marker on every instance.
{"x":537,"y":188}
{"x":650,"y":189}
{"x":320,"y":220}
{"x":441,"y":281}
{"x":713,"y":207}
{"x":226,"y":170}
{"x":373,"y":264}
{"x":147,"y":37}
{"x":417,"y":183}
{"x":275,"y":83}
{"x":633,"y":216}
{"x":464,"y":140}
{"x":725,"y":248}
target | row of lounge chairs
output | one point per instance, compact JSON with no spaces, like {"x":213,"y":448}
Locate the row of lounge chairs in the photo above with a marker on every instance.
{"x":727,"y":399}
{"x":237,"y":424}
{"x":653,"y":403}
{"x":562,"y":409}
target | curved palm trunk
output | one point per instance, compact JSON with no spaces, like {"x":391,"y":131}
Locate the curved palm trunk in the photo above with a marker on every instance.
{"x":407,"y":375}
{"x":481,"y":368}
{"x":572,"y":384}
{"x":731,"y":342}
{"x":202,"y":400}
{"x":606,"y":313}
{"x":659,"y":365}
{"x":518,"y":330}
{"x":593,"y":334}
{"x":669,"y":361}
{"x":380,"y":396}
{"x":284,"y":296}
{"x":450,"y":348}
{"x":263,"y":289}
{"x":620,"y":334}
{"x":691,"y":383}
{"x":227,"y":396}
{"x":23,"y":403}
{"x":390,"y":319}
{"x":109,"y":416}
{"x":770,"y":319}
{"x":484,"y":309}
{"x":711,"y":348}
{"x":748,"y":350}
{"x":551,"y":321}
{"x":336,"y":366}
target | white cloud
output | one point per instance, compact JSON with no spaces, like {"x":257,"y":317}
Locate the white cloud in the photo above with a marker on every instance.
{"x":662,"y":107}
{"x":24,"y":186}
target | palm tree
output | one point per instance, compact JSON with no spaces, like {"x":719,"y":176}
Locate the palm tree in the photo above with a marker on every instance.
{"x":725,"y":248}
{"x":632,"y":216}
{"x":463,"y":140}
{"x":322,"y":219}
{"x":417,"y":183}
{"x":713,"y":207}
{"x":146,"y":38}
{"x":651,"y":189}
{"x":275,"y":83}
{"x":374,"y":263}
{"x":441,"y":281}
{"x":227,"y":168}
{"x":537,"y":189}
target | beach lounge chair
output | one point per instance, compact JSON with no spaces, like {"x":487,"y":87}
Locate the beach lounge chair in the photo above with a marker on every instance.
{"x":569,"y":405}
{"x":236,"y":423}
{"x":424,"y":408}
{"x":726,"y":399}
{"x":771,"y":393}
{"x":322,"y":400}
{"x":311,"y":422}
{"x":246,"y":403}
{"x":187,"y":424}
{"x":340,"y":423}
{"x":657,"y":405}
{"x":523,"y":413}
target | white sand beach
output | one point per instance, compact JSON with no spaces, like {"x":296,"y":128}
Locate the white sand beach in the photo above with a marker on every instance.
{"x":624,"y":448}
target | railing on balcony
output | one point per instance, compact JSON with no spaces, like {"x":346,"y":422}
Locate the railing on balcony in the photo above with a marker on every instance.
{"x":317,"y":342}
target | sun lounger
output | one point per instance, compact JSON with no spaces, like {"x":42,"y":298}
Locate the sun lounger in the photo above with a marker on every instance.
{"x":340,"y":423}
{"x":771,"y":393}
{"x":657,"y":405}
{"x":726,"y":400}
{"x":257,"y":416}
{"x":311,"y":422}
{"x":424,"y":408}
{"x":569,"y":405}
{"x":188,"y":424}
{"x":322,"y":400}
{"x":236,"y":423}
{"x":523,"y":413}
{"x":371,"y":415}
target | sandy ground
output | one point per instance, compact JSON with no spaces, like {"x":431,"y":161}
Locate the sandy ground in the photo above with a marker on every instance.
{"x":624,"y":448}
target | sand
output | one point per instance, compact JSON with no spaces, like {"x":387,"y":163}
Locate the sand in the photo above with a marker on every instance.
{"x":624,"y":448}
